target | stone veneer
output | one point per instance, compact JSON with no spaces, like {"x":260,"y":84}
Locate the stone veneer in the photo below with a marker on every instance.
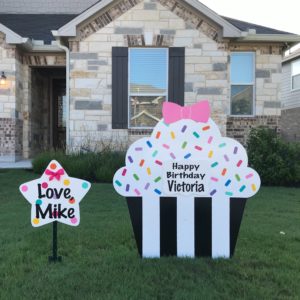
{"x":206,"y":69}
{"x":10,"y":121}
{"x":290,"y":124}
{"x":172,"y":25}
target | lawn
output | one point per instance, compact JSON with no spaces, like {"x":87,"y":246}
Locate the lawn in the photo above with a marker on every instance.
{"x":100,"y":259}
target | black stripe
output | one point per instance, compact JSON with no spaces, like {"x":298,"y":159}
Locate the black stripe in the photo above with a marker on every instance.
{"x":135,"y":207}
{"x":203,"y":229}
{"x":168,"y":226}
{"x":237,"y":206}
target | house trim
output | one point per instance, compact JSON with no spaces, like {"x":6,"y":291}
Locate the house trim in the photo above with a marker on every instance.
{"x":11,"y":37}
{"x":69,"y":29}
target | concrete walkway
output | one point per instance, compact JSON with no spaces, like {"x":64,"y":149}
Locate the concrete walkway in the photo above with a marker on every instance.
{"x":22,"y":164}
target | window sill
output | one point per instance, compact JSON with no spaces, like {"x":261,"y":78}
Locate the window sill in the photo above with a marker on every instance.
{"x":139,"y":131}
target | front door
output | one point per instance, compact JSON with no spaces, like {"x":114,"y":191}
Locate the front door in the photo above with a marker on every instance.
{"x":59,"y":113}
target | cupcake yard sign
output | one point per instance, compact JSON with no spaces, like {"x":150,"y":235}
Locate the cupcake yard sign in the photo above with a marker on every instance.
{"x":186,"y":186}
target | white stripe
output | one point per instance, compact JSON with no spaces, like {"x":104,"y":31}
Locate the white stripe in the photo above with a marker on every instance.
{"x":185,"y":226}
{"x":151,"y":227}
{"x":220,"y":227}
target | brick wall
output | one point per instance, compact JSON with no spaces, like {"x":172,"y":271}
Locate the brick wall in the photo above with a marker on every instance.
{"x":239,"y":128}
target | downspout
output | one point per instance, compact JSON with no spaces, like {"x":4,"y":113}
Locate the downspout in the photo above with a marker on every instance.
{"x":67,"y":50}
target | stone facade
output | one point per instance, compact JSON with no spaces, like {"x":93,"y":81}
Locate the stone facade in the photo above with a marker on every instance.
{"x":10,"y":120}
{"x":25,"y":109}
{"x":207,"y":72}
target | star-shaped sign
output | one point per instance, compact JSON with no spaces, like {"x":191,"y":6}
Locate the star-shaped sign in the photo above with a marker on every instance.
{"x":55,"y":196}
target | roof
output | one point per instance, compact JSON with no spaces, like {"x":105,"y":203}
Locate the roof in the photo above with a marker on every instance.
{"x":39,"y":26}
{"x":245,"y":26}
{"x":35,"y":26}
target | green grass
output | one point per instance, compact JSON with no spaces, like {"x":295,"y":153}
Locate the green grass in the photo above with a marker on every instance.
{"x":100,"y":259}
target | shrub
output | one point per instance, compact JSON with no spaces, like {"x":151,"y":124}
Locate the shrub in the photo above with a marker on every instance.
{"x":276,"y":161}
{"x":99,"y":166}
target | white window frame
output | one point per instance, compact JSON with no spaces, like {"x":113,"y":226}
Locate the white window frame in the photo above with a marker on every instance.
{"x":292,"y":75}
{"x":253,"y":83}
{"x":148,"y":94}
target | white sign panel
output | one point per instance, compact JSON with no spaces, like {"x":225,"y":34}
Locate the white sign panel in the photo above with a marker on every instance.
{"x":186,"y":178}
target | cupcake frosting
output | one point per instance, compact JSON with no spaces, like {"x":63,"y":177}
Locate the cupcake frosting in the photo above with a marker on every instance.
{"x":186,"y":140}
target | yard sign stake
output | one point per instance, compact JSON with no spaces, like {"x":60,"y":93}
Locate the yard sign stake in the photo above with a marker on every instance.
{"x":55,"y":197}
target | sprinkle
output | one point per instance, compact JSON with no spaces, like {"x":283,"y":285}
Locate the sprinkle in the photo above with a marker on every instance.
{"x":136,"y":177}
{"x":137,"y":192}
{"x":213,"y":192}
{"x":173,"y":135}
{"x":166,"y":146}
{"x":157,"y":179}
{"x":224,"y":172}
{"x":154,"y":153}
{"x":147,"y":186}
{"x":226,"y":157}
{"x":242,"y":188}
{"x":158,"y":135}
{"x":118,"y":183}
{"x":172,"y":155}
{"x":188,"y":156}
{"x":127,"y":187}
{"x":249,"y":176}
{"x":222,"y":145}
{"x":158,"y":162}
{"x":253,"y":186}
{"x":229,"y":194}
{"x":142,"y":162}
{"x":149,"y":171}
{"x":124,"y":172}
{"x":183,"y":128}
{"x":239,"y":163}
{"x":166,"y":124}
{"x":196,"y":134}
{"x":184,"y":145}
{"x":157,"y":191}
{"x":235,"y":150}
{"x":139,"y":149}
{"x":228,"y":182}
{"x":130,"y":159}
{"x":210,"y":139}
{"x":198,"y":148}
{"x":238,"y":178}
{"x":210,"y":154}
{"x":149,"y":144}
{"x":214,"y":164}
{"x":214,"y":179}
{"x":206,"y":128}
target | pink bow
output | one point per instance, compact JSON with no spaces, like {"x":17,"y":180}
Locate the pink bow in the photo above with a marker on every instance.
{"x":198,"y":112}
{"x":53,"y":175}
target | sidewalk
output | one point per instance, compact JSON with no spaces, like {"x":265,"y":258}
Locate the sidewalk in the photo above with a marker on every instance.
{"x":22,"y":164}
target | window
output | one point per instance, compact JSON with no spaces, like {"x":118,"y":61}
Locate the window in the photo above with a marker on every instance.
{"x":296,"y":75}
{"x":147,"y":86}
{"x":242,"y":83}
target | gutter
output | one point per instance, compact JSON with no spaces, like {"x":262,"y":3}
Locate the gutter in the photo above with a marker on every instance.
{"x":67,"y":50}
{"x":283,"y":38}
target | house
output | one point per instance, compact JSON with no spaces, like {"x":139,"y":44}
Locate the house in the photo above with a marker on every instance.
{"x":80,"y":80}
{"x":290,"y":113}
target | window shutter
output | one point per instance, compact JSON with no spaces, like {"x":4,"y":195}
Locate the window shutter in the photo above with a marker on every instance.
{"x":119,"y":88}
{"x":176,"y":75}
